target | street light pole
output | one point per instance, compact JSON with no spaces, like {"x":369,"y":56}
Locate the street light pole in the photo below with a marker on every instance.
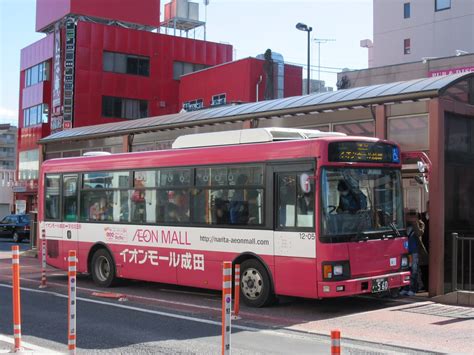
{"x":302,"y":27}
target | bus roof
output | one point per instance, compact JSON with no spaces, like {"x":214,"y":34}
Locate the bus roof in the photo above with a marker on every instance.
{"x":231,"y":154}
{"x":246,"y":136}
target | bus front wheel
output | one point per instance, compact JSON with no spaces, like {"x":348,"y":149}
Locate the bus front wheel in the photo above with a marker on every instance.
{"x":103,"y":268}
{"x":255,"y":285}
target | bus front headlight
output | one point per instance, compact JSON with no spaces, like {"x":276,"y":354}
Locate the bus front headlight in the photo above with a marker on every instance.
{"x":338,"y":270}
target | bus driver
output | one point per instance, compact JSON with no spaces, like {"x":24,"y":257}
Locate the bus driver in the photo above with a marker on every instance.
{"x":350,"y":201}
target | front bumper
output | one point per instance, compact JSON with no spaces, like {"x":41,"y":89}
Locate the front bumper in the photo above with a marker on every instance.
{"x":362,"y":285}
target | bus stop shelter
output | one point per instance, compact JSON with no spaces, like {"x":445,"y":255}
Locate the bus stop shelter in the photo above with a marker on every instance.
{"x":433,"y":115}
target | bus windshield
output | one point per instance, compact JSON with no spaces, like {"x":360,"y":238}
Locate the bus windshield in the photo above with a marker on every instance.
{"x":361,"y":203}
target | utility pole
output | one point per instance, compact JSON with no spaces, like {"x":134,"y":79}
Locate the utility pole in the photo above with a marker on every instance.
{"x":319,"y":41}
{"x":206,"y":2}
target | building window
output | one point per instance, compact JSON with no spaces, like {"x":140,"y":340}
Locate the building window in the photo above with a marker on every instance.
{"x":118,"y":107}
{"x":37,"y":74}
{"x":441,"y":5}
{"x":28,"y":164}
{"x":126,"y":64}
{"x":218,"y":100}
{"x":182,"y":68}
{"x":406,"y":10}
{"x":35,"y":115}
{"x":193,"y":105}
{"x":406,"y":46}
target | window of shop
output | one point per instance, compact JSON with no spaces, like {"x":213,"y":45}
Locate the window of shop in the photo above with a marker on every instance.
{"x":118,"y":107}
{"x":406,"y":46}
{"x":218,"y":100}
{"x":181,"y":68}
{"x":406,"y":10}
{"x":28,"y":164}
{"x":193,"y":105}
{"x":441,"y":5}
{"x":35,"y":115}
{"x":37,"y":74}
{"x":359,"y":128}
{"x":411,"y":132}
{"x":126,"y":63}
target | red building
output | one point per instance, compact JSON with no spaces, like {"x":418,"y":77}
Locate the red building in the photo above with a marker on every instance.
{"x":100,"y":63}
{"x":240,"y":81}
{"x":97,"y":64}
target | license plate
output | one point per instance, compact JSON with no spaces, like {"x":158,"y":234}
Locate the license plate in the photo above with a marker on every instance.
{"x":379,"y":285}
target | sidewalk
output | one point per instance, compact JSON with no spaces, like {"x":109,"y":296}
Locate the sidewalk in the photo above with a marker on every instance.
{"x":6,"y":346}
{"x":424,"y":325}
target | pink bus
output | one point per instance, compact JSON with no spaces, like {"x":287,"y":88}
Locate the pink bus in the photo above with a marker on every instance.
{"x":305,"y":213}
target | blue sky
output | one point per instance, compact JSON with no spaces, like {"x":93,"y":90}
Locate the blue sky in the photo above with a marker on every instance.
{"x":251,"y":26}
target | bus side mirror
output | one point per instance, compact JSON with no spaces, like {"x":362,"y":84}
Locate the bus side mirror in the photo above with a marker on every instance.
{"x":421,"y":179}
{"x":421,"y":166}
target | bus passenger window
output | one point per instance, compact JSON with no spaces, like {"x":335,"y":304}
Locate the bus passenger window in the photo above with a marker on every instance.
{"x":286,"y":200}
{"x":52,"y":197}
{"x":70,"y":198}
{"x":255,"y":205}
{"x":143,"y":206}
{"x":305,"y":204}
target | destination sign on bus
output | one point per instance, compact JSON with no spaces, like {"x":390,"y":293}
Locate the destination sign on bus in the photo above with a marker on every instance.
{"x":365,"y":152}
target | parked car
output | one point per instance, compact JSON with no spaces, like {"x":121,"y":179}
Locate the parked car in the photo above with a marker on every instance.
{"x":16,"y":226}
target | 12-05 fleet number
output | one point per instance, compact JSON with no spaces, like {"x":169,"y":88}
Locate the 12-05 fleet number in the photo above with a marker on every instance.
{"x":307,"y":236}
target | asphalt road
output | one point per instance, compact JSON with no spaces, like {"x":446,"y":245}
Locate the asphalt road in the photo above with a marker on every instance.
{"x":7,"y":243}
{"x":158,"y":318}
{"x":112,"y":327}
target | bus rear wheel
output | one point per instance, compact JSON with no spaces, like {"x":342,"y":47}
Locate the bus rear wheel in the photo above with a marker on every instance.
{"x":103,"y":268}
{"x":255,"y":286}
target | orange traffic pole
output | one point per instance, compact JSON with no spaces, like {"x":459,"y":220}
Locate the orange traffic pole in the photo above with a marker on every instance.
{"x":71,"y":274}
{"x":226,"y":306}
{"x":43,"y":259}
{"x":16,"y":297}
{"x":335,"y":342}
{"x":236,"y":290}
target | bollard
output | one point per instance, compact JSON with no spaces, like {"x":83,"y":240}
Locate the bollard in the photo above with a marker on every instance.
{"x":226,"y":306}
{"x":16,"y":297}
{"x":43,"y":259}
{"x":71,"y":336}
{"x":236,"y":291}
{"x":335,"y":342}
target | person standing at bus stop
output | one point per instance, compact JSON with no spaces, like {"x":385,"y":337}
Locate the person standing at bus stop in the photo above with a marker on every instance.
{"x":415,"y":228}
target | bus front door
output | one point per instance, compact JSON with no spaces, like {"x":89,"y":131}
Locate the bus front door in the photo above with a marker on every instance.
{"x":294,"y":229}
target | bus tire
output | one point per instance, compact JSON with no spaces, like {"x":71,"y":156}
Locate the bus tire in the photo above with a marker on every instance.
{"x":255,"y":286}
{"x":103,"y":268}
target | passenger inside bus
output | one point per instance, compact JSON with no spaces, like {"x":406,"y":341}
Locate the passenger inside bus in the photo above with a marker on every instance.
{"x":221,"y":211}
{"x":239,"y":209}
{"x":177,"y":209}
{"x":94,"y":214}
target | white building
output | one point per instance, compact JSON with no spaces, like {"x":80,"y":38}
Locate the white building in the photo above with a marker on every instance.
{"x":411,"y":30}
{"x":7,"y":178}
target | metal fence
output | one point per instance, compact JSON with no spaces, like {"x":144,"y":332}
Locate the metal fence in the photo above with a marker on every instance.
{"x":462,"y":262}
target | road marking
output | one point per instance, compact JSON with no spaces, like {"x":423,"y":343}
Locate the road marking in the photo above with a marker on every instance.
{"x":294,"y":335}
{"x":130,"y":296}
{"x":27,"y":346}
